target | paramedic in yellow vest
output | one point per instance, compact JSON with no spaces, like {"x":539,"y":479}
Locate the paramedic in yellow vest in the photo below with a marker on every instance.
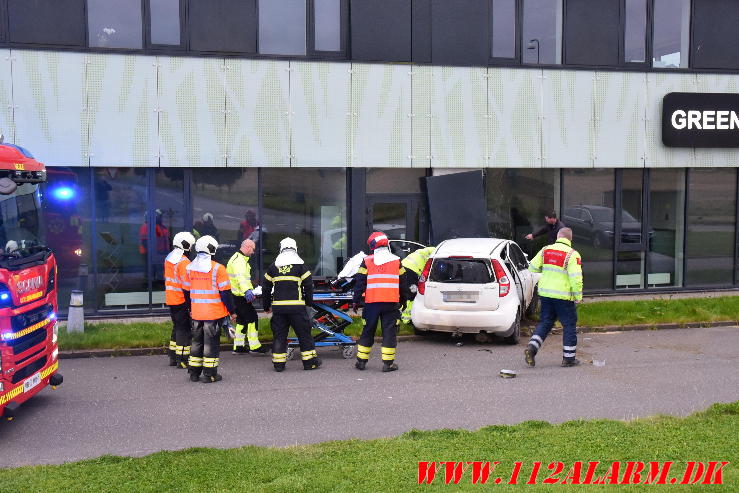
{"x":560,"y":287}
{"x":175,"y":265}
{"x":239,"y":273}
{"x":211,"y":302}
{"x":414,"y":264}
{"x":382,"y":281}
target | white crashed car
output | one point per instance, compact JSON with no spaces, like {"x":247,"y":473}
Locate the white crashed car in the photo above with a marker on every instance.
{"x":474,"y":286}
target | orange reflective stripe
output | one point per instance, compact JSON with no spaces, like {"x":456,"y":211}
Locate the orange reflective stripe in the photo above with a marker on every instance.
{"x":383,"y":281}
{"x":205,"y":295}
{"x":174,"y":282}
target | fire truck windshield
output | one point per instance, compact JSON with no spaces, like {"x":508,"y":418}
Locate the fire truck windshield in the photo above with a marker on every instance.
{"x":21,"y":228}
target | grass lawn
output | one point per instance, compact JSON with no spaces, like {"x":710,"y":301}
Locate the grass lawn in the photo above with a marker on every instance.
{"x":111,"y":335}
{"x":391,"y":465}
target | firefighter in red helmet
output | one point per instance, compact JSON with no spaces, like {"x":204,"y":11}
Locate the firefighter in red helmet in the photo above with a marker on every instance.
{"x":382,"y":281}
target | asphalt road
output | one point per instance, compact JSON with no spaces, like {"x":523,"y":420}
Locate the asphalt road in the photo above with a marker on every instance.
{"x":138,"y":405}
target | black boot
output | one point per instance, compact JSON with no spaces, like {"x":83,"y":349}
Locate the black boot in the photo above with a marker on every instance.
{"x":182,"y":363}
{"x":261,"y":349}
{"x":194,"y":376}
{"x":279,"y":367}
{"x":530,"y":355}
{"x":240,"y":350}
{"x":567,"y":362}
{"x":389,"y":366}
{"x":311,"y":364}
{"x":215,"y":377}
{"x":361,"y":364}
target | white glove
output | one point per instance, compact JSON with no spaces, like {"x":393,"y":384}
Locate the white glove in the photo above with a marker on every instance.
{"x":257,"y":291}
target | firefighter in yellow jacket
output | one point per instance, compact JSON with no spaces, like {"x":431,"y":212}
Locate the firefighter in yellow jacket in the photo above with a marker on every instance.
{"x":382,"y":281}
{"x":239,"y":273}
{"x":560,"y":287}
{"x":414,"y":264}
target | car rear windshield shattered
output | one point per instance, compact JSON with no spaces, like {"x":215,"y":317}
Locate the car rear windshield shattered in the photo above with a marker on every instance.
{"x":469,"y":271}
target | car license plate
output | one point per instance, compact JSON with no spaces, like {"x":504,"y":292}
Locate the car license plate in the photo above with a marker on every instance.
{"x":32,"y":382}
{"x":461,"y":296}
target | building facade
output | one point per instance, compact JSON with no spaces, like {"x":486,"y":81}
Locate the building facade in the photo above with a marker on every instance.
{"x":325,"y":119}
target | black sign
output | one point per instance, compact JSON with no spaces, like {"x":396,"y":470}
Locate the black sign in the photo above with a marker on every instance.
{"x":700,"y":120}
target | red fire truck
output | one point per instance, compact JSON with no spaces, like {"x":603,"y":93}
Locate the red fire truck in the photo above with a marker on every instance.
{"x":28,"y":306}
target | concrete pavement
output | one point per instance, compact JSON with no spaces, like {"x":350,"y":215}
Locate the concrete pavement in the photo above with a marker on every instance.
{"x":138,"y":405}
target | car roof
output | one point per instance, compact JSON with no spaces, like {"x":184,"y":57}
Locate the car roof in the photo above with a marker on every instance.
{"x":476,"y":247}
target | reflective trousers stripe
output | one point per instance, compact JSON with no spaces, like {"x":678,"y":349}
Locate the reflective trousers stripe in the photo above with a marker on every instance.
{"x":288,"y":302}
{"x":210,"y":362}
{"x":172,"y":345}
{"x":363,"y":352}
{"x":195,"y":361}
{"x":182,"y":350}
{"x":306,"y":355}
{"x":388,"y":353}
{"x":279,"y":357}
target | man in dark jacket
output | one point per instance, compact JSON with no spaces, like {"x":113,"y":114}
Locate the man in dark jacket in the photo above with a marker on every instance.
{"x":551,"y":228}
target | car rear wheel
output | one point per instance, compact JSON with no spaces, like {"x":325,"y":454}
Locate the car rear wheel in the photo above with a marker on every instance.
{"x":515,"y":336}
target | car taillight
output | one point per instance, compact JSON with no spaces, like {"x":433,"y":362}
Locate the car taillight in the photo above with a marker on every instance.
{"x":503,"y":282}
{"x":424,"y":277}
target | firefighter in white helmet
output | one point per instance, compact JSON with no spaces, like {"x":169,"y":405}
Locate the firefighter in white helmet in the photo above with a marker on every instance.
{"x":175,"y":265}
{"x":210,"y":298}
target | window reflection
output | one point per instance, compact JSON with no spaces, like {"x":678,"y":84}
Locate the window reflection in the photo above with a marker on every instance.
{"x":671,"y":33}
{"x":636,"y":29}
{"x":114,"y":23}
{"x":165,"y":22}
{"x":282,"y":27}
{"x":169,"y":204}
{"x":328,"y":25}
{"x":542,"y":31}
{"x":503,"y":29}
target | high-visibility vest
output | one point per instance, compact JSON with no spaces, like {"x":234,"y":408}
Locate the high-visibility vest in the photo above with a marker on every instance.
{"x":416,"y":261}
{"x":383,"y":281}
{"x":239,"y":273}
{"x":205,"y":292}
{"x":173,"y":281}
{"x":561,"y":271}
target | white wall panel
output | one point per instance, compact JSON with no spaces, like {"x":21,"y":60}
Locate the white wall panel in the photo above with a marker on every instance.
{"x":459,"y":133}
{"x":192,"y":126}
{"x":658,"y":85}
{"x":49,"y":98}
{"x":568,"y":119}
{"x":7,"y":127}
{"x":421,"y":97}
{"x":257,"y":113}
{"x":122,"y":102}
{"x":514,"y":126}
{"x":619,"y":109}
{"x":717,"y":157}
{"x":381,"y":115}
{"x":320,"y":109}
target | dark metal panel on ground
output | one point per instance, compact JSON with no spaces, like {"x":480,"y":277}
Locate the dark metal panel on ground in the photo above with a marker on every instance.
{"x":381,"y":30}
{"x":460,"y":32}
{"x":591,"y":32}
{"x":223,"y":26}
{"x":457,"y":206}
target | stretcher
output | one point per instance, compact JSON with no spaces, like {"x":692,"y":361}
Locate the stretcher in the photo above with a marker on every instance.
{"x":329,"y":318}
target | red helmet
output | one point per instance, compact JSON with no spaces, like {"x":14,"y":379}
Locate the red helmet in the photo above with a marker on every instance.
{"x":376,"y":240}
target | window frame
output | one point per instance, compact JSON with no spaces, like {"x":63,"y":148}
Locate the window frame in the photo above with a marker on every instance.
{"x":310,"y":32}
{"x":647,"y":41}
{"x":518,"y":37}
{"x":650,"y":43}
{"x":184,"y":35}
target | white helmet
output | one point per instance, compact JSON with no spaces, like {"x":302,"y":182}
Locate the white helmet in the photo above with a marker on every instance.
{"x":184,"y":240}
{"x":288,"y":243}
{"x":206,"y":244}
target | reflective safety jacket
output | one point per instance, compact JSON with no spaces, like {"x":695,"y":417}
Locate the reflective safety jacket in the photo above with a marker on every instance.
{"x":561,"y":271}
{"x":416,"y":261}
{"x":173,"y":278}
{"x":239,"y":273}
{"x":287,"y":288}
{"x":384,"y":283}
{"x":205,"y":292}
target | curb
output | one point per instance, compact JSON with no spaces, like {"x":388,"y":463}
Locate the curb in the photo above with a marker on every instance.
{"x":148,"y":351}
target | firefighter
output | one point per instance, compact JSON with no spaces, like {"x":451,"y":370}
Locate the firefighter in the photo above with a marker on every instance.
{"x":382,"y":280}
{"x":288,"y":290}
{"x":414,"y":264}
{"x":175,"y":266}
{"x":239,"y":273}
{"x":210,"y":298}
{"x":560,"y":288}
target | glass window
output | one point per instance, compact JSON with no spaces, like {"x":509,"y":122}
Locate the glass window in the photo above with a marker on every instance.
{"x":635,"y":37}
{"x":517,"y":200}
{"x":46,"y":22}
{"x":282,"y":27}
{"x":121,"y":226}
{"x":165,"y":22}
{"x":328,"y":25}
{"x":710,"y":231}
{"x":542,"y":31}
{"x":225,"y":206}
{"x":591,"y":192}
{"x":114,"y":23}
{"x":308,"y":205}
{"x":223,"y":25}
{"x":503,"y":38}
{"x":67,"y":214}
{"x":169,"y":211}
{"x":387,"y":180}
{"x":671,"y":33}
{"x":666,"y":227}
